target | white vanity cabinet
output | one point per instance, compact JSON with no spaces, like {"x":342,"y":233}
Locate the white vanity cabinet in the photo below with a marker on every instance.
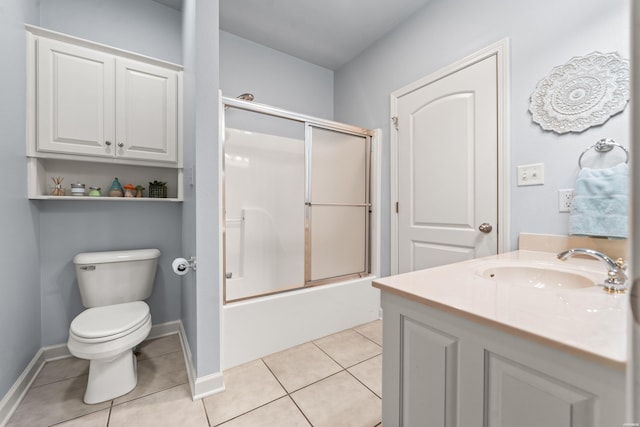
{"x":93,"y":103}
{"x":466,"y":349}
{"x":444,"y":370}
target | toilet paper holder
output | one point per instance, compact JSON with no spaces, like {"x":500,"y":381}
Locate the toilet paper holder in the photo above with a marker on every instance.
{"x":181,"y":265}
{"x":192,"y":263}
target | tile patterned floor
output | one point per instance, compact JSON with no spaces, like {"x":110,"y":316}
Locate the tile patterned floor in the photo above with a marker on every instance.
{"x":333,"y":381}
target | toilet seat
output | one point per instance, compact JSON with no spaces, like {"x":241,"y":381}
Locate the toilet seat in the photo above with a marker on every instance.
{"x":110,"y":322}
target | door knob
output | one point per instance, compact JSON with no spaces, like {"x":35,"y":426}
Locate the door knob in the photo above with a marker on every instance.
{"x":485,"y":227}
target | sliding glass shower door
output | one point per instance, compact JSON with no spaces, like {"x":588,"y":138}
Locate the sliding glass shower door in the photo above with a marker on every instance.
{"x":264,"y":221}
{"x":337,"y":205}
{"x":297,"y":204}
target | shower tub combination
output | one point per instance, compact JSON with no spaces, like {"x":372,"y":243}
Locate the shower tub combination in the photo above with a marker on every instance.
{"x":297,"y":229}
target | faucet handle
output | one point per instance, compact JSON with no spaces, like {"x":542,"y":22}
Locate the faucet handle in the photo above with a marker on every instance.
{"x":620,"y":262}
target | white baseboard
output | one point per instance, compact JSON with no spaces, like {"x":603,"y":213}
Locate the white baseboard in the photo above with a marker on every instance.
{"x":200,"y":387}
{"x":16,"y":393}
{"x":204,"y":386}
{"x":164,"y":329}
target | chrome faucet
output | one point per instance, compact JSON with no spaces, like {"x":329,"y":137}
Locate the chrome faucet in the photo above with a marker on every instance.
{"x":616,"y":281}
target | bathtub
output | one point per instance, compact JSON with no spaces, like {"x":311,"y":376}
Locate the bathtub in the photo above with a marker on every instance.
{"x":257,"y":327}
{"x":256,"y":255}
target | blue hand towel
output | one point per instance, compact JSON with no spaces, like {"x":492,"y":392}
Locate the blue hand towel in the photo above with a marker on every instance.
{"x":600,"y":202}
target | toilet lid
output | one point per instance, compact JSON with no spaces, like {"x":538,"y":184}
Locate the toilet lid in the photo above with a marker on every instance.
{"x":109,"y":321}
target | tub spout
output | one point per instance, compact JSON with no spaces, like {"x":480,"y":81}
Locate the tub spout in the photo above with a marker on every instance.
{"x":616,"y":281}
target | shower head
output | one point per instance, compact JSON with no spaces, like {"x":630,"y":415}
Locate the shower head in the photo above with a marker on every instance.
{"x":246,"y":96}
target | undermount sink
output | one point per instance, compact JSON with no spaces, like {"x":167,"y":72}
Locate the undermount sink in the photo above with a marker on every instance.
{"x":536,"y":277}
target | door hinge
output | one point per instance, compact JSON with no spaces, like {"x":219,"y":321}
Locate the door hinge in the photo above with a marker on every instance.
{"x":394,"y":120}
{"x":397,"y":207}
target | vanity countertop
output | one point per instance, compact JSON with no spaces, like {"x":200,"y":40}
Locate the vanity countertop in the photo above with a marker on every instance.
{"x":587,"y":321}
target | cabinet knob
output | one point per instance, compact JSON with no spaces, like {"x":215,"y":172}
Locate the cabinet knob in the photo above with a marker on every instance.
{"x":107,"y":143}
{"x":120,"y":144}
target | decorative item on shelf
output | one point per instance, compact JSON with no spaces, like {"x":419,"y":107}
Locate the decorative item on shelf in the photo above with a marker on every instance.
{"x":139,"y":190}
{"x":77,"y":189}
{"x":116,"y":189}
{"x":129,"y":190}
{"x":584,"y":92}
{"x":158,"y":190}
{"x":94,"y":192}
{"x":57,"y":189}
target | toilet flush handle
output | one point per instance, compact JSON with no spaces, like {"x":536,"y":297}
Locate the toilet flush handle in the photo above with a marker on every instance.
{"x":88,"y":267}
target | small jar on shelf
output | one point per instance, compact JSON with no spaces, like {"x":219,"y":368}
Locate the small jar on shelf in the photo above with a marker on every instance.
{"x":77,"y":189}
{"x":57,"y":189}
{"x":95,"y":192}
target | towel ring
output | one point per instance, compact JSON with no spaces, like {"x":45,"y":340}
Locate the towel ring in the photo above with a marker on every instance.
{"x":604,"y":146}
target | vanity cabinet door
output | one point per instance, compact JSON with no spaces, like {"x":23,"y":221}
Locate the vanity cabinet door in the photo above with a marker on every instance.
{"x":75,"y":99}
{"x":522,"y":396}
{"x":147,"y":111}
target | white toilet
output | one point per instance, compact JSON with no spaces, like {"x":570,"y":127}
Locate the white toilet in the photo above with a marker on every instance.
{"x":113,"y":286}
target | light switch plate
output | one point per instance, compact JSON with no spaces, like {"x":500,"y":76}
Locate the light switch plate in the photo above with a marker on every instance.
{"x":532,"y":174}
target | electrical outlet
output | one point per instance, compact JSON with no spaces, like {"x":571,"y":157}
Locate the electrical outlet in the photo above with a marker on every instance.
{"x":531,"y":174}
{"x":565,"y":199}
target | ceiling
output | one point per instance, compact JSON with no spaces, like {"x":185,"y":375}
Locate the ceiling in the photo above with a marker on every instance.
{"x":328,"y":33}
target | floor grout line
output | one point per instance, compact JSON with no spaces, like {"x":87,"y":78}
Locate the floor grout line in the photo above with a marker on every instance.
{"x":380,"y":345}
{"x":365,"y":386}
{"x":33,"y":387}
{"x":109,"y":414}
{"x":274,"y":375}
{"x":300,"y":409}
{"x":206,"y":413}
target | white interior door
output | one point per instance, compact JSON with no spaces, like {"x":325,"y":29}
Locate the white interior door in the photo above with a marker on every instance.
{"x":447,"y":138}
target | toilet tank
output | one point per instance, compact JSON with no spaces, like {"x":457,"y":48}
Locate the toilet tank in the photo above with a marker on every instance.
{"x":115,"y":277}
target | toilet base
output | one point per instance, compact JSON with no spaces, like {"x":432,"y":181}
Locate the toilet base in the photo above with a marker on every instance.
{"x":111,"y":378}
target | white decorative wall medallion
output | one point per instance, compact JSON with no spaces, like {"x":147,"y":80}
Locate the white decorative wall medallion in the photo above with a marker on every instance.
{"x":584,"y":92}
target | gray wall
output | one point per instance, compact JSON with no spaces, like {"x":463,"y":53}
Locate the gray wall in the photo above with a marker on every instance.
{"x":543,"y":34}
{"x":141,"y":26}
{"x":67,"y":228}
{"x":20,"y":284}
{"x":201,"y":290}
{"x":189,"y":284}
{"x":274,"y":78}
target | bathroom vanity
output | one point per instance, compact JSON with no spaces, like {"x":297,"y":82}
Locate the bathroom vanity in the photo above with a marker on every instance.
{"x":517,"y":339}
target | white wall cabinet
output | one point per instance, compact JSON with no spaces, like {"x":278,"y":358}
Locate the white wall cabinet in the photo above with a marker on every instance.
{"x":146,"y":112}
{"x":94,"y":103}
{"x":444,"y":370}
{"x":75,"y":99}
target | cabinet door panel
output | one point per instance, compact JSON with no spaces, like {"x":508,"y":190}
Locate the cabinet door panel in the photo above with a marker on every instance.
{"x":146,"y":105}
{"x":428,"y":375}
{"x":518,"y":395}
{"x":75,"y":99}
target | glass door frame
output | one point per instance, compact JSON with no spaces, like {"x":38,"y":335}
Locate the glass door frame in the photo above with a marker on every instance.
{"x":308,"y":141}
{"x":310,"y":122}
